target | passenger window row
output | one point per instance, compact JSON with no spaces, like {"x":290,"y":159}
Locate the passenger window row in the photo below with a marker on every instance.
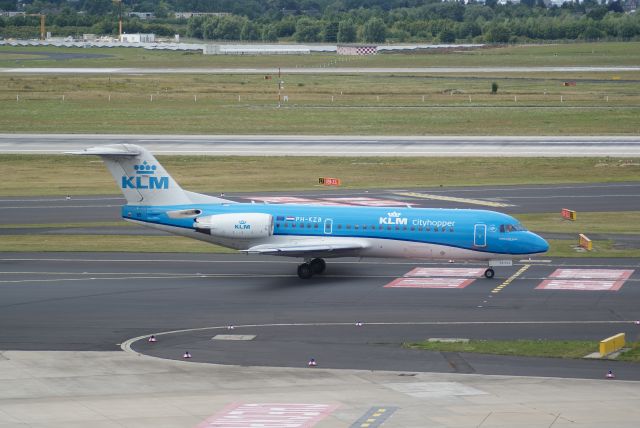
{"x":293,"y":225}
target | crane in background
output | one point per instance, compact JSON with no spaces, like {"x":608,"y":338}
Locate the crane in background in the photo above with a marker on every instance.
{"x":119,"y":18}
{"x":43,"y":28}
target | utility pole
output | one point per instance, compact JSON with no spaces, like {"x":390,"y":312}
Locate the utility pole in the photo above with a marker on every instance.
{"x":119,"y":18}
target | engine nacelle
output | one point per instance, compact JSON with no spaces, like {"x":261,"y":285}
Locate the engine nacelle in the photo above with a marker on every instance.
{"x":236,"y":225}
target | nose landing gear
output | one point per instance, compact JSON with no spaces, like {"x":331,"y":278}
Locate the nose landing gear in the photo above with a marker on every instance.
{"x":489,"y":273}
{"x":309,"y":268}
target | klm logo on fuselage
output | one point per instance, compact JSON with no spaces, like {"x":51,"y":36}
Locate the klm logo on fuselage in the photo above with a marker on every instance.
{"x":393,"y":218}
{"x":145,"y":178}
{"x":242,"y":225}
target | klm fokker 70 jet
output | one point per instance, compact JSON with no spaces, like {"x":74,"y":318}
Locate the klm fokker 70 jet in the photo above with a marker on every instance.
{"x":312,"y":233}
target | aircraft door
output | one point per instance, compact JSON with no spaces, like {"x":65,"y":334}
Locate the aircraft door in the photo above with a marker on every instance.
{"x":328,"y":226}
{"x":480,"y":235}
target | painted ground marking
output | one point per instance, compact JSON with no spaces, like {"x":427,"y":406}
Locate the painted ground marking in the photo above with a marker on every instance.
{"x":430,"y":283}
{"x":368,"y":202}
{"x":374,"y":417}
{"x":454,"y":199}
{"x":343,"y":201}
{"x":586,"y":279}
{"x":510,"y":279}
{"x":445,"y":272}
{"x":269,"y":415}
{"x":292,"y":200}
{"x":616,"y":274}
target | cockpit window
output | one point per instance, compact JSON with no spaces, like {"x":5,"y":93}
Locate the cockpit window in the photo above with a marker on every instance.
{"x":507,"y":228}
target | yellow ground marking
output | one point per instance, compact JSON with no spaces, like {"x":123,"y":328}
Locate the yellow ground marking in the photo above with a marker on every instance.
{"x":454,"y":199}
{"x":510,"y":279}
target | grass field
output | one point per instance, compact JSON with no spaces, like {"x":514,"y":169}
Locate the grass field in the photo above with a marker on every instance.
{"x":106,"y":243}
{"x":74,"y":175}
{"x":568,"y":54}
{"x":587,"y":222}
{"x":380,"y":104}
{"x":525,"y":348}
{"x":600,"y":104}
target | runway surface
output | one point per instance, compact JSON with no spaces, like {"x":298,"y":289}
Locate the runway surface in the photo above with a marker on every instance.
{"x":483,"y":146}
{"x":97,"y":301}
{"x":312,"y":70}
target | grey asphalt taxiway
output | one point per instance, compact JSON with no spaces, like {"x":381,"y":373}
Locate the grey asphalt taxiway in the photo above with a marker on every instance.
{"x":97,"y":301}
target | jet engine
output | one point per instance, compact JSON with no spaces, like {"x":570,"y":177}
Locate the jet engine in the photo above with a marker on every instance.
{"x":236,"y":225}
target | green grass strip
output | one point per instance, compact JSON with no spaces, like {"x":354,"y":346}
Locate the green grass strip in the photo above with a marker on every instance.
{"x":526,"y":348}
{"x":33,"y":175}
{"x":109,"y":243}
{"x":523,"y":348}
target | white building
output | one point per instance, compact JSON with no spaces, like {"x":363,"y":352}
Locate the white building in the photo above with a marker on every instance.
{"x":187,"y":15}
{"x":138,"y":38}
{"x":142,"y":15}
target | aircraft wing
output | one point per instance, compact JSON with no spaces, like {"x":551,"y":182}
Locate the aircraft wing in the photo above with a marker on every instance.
{"x":311,"y":248}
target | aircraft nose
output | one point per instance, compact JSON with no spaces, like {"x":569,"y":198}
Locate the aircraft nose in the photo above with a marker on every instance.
{"x":539,"y":244}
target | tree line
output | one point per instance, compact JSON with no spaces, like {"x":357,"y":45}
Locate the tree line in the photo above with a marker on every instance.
{"x":339,"y":21}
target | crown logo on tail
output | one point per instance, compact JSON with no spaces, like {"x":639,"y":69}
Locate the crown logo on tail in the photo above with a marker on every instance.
{"x":145,"y":168}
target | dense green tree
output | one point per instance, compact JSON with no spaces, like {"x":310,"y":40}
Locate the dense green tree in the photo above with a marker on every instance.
{"x":330,"y":32}
{"x":308,"y":30}
{"x":342,"y":21}
{"x":374,"y":31}
{"x":447,"y":35}
{"x":498,"y":33}
{"x":347,"y":31}
{"x":249,"y":31}
{"x":269,"y":33}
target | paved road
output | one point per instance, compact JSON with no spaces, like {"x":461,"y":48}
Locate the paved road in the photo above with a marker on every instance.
{"x":511,"y":199}
{"x":243,"y":145}
{"x":313,"y":70}
{"x":96,"y":301}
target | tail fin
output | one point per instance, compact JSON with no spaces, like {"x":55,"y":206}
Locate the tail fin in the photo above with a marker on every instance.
{"x":141,"y":177}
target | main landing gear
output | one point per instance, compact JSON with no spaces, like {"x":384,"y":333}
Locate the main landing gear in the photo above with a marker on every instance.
{"x":489,"y":273}
{"x":309,"y":268}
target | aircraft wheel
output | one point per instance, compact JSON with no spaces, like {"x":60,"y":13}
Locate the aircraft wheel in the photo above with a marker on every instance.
{"x":318,"y":266}
{"x":305,"y":271}
{"x":489,"y":273}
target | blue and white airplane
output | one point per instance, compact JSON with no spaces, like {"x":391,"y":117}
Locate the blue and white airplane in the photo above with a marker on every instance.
{"x":312,"y":233}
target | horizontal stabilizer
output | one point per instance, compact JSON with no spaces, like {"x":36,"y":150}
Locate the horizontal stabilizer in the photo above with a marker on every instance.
{"x":119,"y":150}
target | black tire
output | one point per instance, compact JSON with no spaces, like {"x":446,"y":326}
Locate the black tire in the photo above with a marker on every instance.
{"x":305,"y":271}
{"x":489,"y":273}
{"x":318,"y":266}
